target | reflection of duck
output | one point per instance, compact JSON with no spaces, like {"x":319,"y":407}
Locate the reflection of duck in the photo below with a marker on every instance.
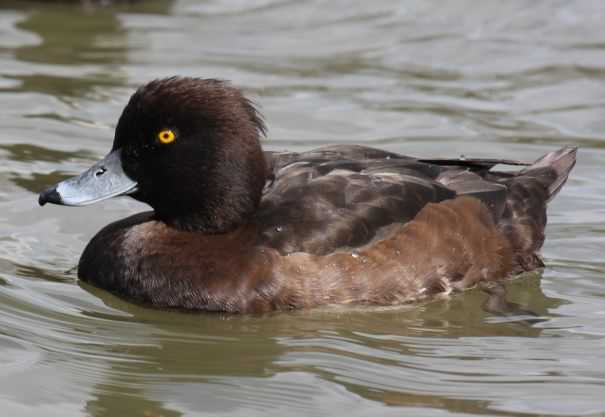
{"x":235,"y":230}
{"x":231,"y":360}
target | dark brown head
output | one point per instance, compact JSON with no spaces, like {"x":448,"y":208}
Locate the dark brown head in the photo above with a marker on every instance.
{"x":191,"y":148}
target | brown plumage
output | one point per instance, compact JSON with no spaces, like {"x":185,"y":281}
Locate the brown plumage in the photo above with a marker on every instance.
{"x":335,"y":225}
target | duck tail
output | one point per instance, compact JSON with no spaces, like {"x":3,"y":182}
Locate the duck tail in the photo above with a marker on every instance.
{"x":524,"y":216}
{"x":552,"y":169}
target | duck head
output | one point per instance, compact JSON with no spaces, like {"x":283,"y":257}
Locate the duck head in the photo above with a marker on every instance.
{"x":189,"y":148}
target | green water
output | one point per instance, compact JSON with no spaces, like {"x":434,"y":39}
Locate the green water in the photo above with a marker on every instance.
{"x":429,"y":78}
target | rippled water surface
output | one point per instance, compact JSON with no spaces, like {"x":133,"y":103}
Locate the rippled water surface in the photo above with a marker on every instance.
{"x":484,"y":78}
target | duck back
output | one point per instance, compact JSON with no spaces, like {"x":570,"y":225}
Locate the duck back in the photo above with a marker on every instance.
{"x":347,"y":196}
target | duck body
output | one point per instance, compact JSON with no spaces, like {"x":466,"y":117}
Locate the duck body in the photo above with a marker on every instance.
{"x":239,"y":230}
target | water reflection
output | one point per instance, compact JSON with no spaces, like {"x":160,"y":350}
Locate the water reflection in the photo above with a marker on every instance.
{"x":28,"y":153}
{"x":71,"y":37}
{"x":24,"y":152}
{"x":75,"y":37}
{"x":128,"y":402}
{"x":222,"y":355}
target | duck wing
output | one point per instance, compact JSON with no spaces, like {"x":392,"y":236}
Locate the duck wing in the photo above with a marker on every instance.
{"x":344,"y":196}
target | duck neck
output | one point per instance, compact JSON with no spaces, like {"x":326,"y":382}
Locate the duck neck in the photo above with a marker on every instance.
{"x":227,"y":200}
{"x":204,"y":222}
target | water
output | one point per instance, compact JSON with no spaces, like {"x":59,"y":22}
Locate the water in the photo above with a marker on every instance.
{"x":428,"y":78}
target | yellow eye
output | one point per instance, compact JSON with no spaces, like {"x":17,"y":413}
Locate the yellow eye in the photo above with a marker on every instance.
{"x":166,"y":136}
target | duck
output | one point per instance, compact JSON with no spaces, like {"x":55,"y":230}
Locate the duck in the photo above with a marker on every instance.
{"x":236,"y":229}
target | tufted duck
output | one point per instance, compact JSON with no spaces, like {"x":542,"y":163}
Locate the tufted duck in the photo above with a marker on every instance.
{"x":236,"y":229}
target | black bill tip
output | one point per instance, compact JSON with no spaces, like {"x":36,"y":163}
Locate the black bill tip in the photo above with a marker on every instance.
{"x":49,"y":196}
